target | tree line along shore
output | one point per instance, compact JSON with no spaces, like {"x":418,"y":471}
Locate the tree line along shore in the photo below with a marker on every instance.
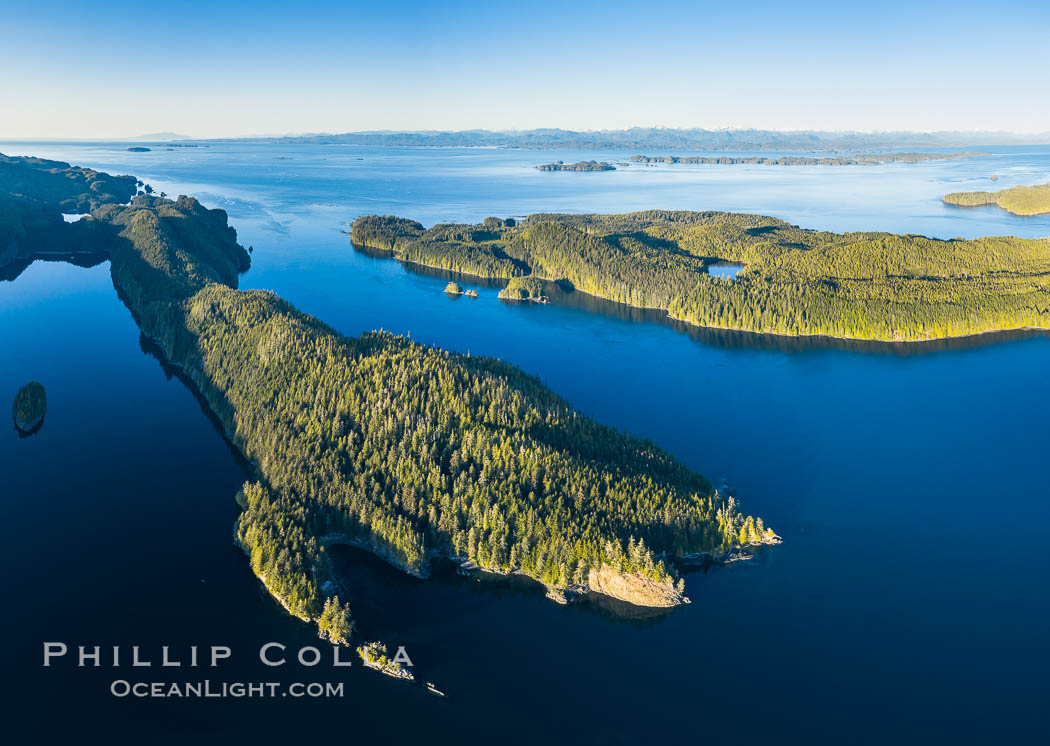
{"x":794,"y":281}
{"x":1020,"y":200}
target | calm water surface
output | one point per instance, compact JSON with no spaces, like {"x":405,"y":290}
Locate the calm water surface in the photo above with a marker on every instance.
{"x":724,"y":270}
{"x":908,"y":603}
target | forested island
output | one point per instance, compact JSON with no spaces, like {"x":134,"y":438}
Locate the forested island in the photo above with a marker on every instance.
{"x":409,"y":451}
{"x":870,"y":286}
{"x":454,"y":288}
{"x":794,"y":160}
{"x":578,"y":166}
{"x":29,"y":407}
{"x":1020,"y":200}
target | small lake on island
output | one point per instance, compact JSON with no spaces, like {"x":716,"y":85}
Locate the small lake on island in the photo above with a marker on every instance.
{"x":907,"y":604}
{"x":724,"y":270}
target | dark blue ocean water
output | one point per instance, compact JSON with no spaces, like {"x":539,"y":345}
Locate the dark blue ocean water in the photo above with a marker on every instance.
{"x":908,"y":602}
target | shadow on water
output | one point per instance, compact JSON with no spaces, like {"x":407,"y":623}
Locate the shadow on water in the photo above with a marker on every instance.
{"x":153,"y":350}
{"x":562,"y":293}
{"x":491,"y":283}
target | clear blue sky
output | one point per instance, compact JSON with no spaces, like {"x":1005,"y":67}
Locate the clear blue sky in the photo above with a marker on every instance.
{"x":107,"y":69}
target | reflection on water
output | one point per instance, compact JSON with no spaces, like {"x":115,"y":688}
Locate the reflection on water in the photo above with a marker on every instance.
{"x":564,"y":294}
{"x":153,"y":350}
{"x":86,"y":259}
{"x":724,"y":270}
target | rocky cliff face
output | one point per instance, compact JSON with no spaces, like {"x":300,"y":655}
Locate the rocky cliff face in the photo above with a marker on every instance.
{"x":633,"y":588}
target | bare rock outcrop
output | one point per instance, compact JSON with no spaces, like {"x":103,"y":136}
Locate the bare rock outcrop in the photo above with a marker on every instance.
{"x":634,"y":588}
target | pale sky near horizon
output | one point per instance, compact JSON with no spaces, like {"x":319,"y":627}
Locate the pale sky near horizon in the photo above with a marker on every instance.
{"x":226,"y":69}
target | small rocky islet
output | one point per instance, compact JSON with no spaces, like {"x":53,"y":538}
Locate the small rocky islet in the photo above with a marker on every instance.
{"x":454,"y":288}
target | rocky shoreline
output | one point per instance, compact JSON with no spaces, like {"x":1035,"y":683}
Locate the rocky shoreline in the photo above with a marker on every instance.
{"x":741,"y":553}
{"x":631,"y":588}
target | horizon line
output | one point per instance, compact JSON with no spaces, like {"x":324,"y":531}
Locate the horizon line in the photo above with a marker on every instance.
{"x":175,"y":137}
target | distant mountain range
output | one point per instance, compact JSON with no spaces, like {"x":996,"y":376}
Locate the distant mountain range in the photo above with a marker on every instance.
{"x":682,"y":139}
{"x":158,"y":136}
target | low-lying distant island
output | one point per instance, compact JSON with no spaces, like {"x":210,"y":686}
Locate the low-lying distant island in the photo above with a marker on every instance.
{"x":1020,"y":200}
{"x":29,"y":407}
{"x":793,"y":281}
{"x":578,"y":166}
{"x":866,"y":159}
{"x":408,"y":451}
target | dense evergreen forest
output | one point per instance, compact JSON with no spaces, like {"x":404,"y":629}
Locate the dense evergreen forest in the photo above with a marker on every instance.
{"x":409,"y":451}
{"x":1020,"y":200}
{"x":873,"y":286}
{"x":524,"y":288}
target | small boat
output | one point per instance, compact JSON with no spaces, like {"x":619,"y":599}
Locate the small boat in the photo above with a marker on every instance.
{"x":434,"y":690}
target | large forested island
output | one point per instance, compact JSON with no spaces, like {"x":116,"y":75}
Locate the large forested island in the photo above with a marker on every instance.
{"x":865,"y":159}
{"x":1020,"y":200}
{"x":409,"y":451}
{"x":872,"y":286}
